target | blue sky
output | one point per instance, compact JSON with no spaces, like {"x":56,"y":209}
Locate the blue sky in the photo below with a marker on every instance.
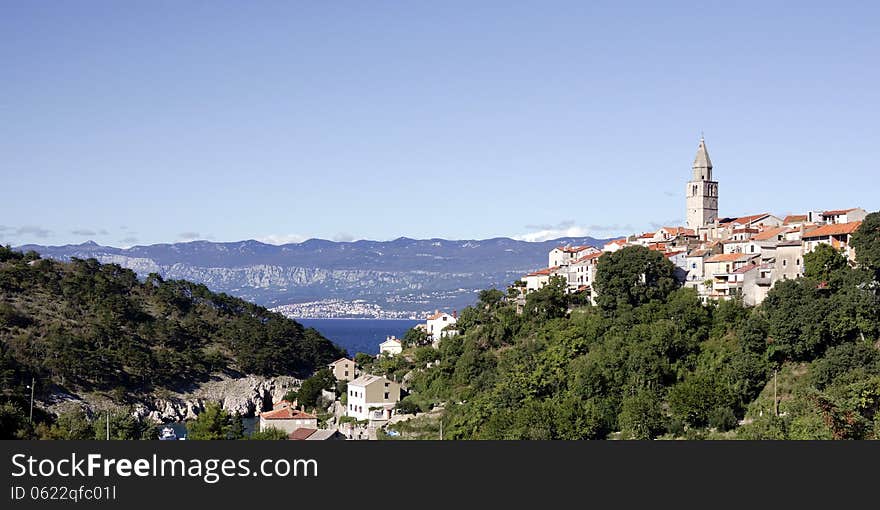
{"x":136,"y":123}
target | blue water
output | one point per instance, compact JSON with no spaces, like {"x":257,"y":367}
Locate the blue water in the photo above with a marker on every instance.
{"x":359,"y":335}
{"x":251,"y":425}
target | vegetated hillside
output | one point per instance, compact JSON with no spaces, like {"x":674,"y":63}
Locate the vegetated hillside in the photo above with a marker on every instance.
{"x":652,"y":361}
{"x":86,"y":325}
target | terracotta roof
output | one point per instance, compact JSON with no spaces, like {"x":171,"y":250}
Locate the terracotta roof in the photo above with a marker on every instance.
{"x":441,"y":314}
{"x":647,"y":235}
{"x":541,"y":272}
{"x":745,"y":269}
{"x":618,"y":242}
{"x":837,"y":212}
{"x":394,"y":340}
{"x":770,"y":233}
{"x":699,"y":253}
{"x":834,"y":230}
{"x":743,"y":220}
{"x":746,"y":230}
{"x":287,"y":413}
{"x":672,"y":253}
{"x":729,"y":257}
{"x":573,"y":249}
{"x":341,"y":359}
{"x":677,"y":231}
{"x":793,"y":218}
{"x":591,"y":256}
{"x":301,"y":434}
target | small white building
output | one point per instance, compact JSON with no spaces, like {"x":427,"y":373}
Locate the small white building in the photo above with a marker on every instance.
{"x":436,"y":325}
{"x":392,"y":346}
{"x":565,"y":255}
{"x":371,"y":397}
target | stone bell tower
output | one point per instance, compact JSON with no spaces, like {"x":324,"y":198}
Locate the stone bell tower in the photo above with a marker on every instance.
{"x":702,"y":191}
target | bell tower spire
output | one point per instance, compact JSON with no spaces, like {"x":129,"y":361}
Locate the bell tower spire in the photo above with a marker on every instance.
{"x":702,"y":192}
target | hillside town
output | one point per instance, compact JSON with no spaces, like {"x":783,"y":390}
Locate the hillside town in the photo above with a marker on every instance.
{"x":720,"y":257}
{"x":369,"y":401}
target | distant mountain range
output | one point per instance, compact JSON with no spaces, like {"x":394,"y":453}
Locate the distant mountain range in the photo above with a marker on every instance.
{"x":400,"y":278}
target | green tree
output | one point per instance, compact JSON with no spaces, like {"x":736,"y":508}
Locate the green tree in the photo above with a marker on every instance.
{"x":641,"y":416}
{"x":214,"y":423}
{"x":311,"y":388}
{"x":823,"y":263}
{"x":866,"y":243}
{"x":633,"y":276}
{"x":270,"y":434}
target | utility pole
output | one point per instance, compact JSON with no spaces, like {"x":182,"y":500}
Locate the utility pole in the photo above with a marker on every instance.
{"x":33,"y":383}
{"x":775,"y":406}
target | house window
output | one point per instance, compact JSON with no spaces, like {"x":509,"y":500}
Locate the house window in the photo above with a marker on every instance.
{"x":386,"y":395}
{"x":784,"y":263}
{"x":346,"y":373}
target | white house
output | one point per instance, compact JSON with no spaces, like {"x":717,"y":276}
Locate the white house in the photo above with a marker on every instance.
{"x":371,"y":397}
{"x":392,"y":346}
{"x":565,"y":255}
{"x":437,"y":323}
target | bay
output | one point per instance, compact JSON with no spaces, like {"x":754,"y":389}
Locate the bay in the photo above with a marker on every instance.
{"x":359,"y":335}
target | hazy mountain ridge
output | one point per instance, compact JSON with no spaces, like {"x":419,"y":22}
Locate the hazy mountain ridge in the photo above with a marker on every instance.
{"x":403,"y":274}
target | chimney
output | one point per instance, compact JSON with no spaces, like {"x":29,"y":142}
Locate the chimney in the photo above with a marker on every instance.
{"x":455,"y":314}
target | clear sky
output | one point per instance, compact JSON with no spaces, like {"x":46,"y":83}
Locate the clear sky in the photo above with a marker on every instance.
{"x":144,"y":122}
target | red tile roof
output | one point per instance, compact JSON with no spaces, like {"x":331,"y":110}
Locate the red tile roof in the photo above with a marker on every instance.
{"x":618,"y":242}
{"x":833,"y":230}
{"x":795,"y":218}
{"x":544,"y":272}
{"x":301,"y":434}
{"x":591,"y":256}
{"x":837,"y":212}
{"x":647,"y":235}
{"x":678,"y":231}
{"x":746,"y":268}
{"x":727,"y":257}
{"x":573,"y":249}
{"x":770,"y":233}
{"x":743,"y":220}
{"x":671,"y":254}
{"x":287,"y":413}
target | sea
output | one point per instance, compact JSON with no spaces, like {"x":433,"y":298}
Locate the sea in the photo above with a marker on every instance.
{"x":359,"y":335}
{"x":353,"y":335}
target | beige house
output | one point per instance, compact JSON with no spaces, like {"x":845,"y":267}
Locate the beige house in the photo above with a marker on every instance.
{"x":836,"y":235}
{"x":287,"y":419}
{"x":789,"y":259}
{"x":343,"y":369}
{"x":371,"y":397}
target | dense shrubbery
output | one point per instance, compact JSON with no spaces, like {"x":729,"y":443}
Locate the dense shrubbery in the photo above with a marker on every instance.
{"x":651,"y":360}
{"x":83,"y":325}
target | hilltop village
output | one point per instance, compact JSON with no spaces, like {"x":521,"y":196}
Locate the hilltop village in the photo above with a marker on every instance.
{"x":721,"y":257}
